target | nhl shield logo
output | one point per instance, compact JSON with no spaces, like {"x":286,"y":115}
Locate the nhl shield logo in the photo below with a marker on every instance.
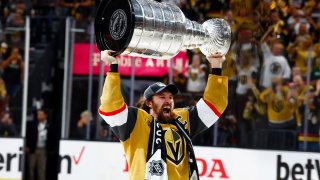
{"x":118,"y":24}
{"x":156,"y":168}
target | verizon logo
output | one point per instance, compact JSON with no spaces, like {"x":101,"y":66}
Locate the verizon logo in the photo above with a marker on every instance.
{"x":71,"y":159}
{"x":8,"y":159}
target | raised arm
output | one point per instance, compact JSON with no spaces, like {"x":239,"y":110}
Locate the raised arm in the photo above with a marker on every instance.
{"x":215,"y":99}
{"x":263,"y":43}
{"x":113,"y":108}
{"x":265,"y":36}
{"x":266,"y":95}
{"x":112,"y":101}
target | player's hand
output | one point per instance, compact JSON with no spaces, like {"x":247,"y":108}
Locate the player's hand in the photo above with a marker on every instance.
{"x":216,"y":60}
{"x":107,"y":58}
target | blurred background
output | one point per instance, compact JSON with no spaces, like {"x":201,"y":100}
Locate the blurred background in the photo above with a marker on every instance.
{"x":49,"y":61}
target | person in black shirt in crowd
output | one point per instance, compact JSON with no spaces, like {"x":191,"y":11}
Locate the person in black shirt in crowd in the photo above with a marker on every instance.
{"x":36,"y":143}
{"x":85,"y":118}
{"x":13,"y":68}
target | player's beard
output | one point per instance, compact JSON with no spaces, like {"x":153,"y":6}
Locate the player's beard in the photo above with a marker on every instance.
{"x":164,"y":113}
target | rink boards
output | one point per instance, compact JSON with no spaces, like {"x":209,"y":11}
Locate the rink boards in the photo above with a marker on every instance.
{"x":102,"y":160}
{"x":106,"y":161}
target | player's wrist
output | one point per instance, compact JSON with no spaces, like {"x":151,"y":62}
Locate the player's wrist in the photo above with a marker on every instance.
{"x":216,"y":64}
{"x":114,"y":67}
{"x":216,"y":61}
{"x":216,"y":71}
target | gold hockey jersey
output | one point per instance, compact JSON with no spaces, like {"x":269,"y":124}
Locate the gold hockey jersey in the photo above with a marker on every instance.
{"x":279,"y":110}
{"x":131,"y":125}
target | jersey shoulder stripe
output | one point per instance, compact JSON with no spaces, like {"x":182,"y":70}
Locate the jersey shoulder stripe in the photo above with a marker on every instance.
{"x":207,"y":112}
{"x":211,"y":106}
{"x":117,"y":117}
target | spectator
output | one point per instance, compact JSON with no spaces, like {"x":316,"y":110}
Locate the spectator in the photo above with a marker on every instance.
{"x":180,"y":80}
{"x":315,"y":73}
{"x":3,"y":4}
{"x":82,"y":11}
{"x":254,"y":108}
{"x":241,"y":8}
{"x":16,"y":19}
{"x":242,"y":16}
{"x":196,"y":75}
{"x":77,"y":8}
{"x":253,"y":111}
{"x":264,"y":9}
{"x":13,"y":68}
{"x":300,"y":30}
{"x":300,"y":52}
{"x":279,"y":29}
{"x":3,"y":96}
{"x":227,"y":129}
{"x":280,"y":106}
{"x":12,"y":5}
{"x":105,"y":133}
{"x":316,"y":9}
{"x":4,"y":52}
{"x":298,"y":89}
{"x":296,"y":71}
{"x":36,"y":143}
{"x":312,"y":134}
{"x":274,"y":19}
{"x":85,"y":118}
{"x":274,"y":63}
{"x":315,"y":14}
{"x":7,"y":127}
{"x":315,"y":25}
{"x":229,"y":17}
{"x":246,"y":73}
{"x":44,"y":12}
{"x":300,"y":22}
{"x":316,"y":101}
{"x":229,"y":66}
{"x":295,"y":17}
{"x":246,"y":43}
{"x":258,"y":30}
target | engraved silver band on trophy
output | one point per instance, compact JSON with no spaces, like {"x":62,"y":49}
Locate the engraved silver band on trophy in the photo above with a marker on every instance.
{"x":158,"y":30}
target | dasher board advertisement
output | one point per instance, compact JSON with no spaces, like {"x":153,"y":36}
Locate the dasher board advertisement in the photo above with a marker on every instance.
{"x":11,"y":158}
{"x":105,"y":160}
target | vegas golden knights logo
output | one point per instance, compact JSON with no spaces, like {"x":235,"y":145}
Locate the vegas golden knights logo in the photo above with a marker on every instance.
{"x":175,"y":145}
{"x":277,"y":106}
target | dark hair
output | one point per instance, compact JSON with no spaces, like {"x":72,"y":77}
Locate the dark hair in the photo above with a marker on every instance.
{"x":43,"y":110}
{"x":145,"y":107}
{"x":142,"y":104}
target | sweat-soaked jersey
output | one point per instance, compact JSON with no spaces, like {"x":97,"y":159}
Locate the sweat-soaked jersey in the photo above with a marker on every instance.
{"x":131,"y":125}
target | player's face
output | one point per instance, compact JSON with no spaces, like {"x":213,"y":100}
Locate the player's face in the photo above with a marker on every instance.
{"x":162,"y":105}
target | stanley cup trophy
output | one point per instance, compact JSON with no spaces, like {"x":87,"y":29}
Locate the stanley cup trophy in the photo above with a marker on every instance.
{"x":147,"y":28}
